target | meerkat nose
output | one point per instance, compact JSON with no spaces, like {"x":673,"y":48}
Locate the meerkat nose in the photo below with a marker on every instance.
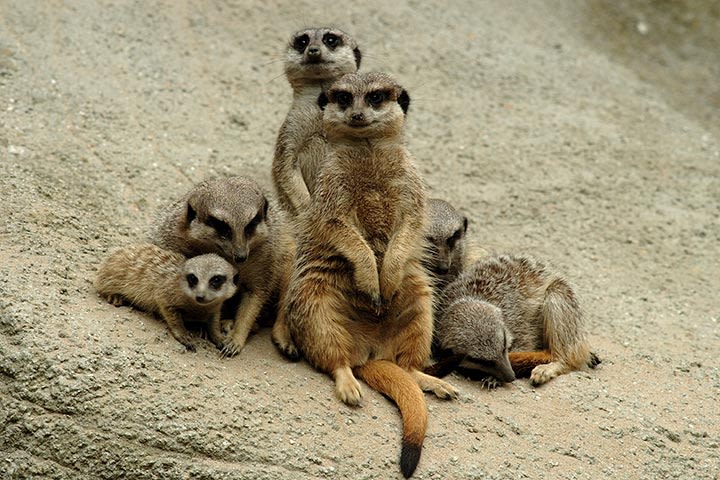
{"x":358,"y":116}
{"x":200,"y":298}
{"x":240,"y":257}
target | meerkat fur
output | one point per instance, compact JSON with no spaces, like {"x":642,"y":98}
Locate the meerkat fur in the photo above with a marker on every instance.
{"x":359,"y":300}
{"x":165,"y":283}
{"x":315,"y":57}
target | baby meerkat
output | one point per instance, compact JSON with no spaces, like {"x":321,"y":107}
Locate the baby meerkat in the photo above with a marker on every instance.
{"x":511,"y":312}
{"x":166,"y":283}
{"x":359,"y":301}
{"x":315,"y":57}
{"x":233,"y":218}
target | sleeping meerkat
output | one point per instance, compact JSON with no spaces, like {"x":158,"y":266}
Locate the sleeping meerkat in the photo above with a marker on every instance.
{"x":166,"y":283}
{"x":511,"y":312}
{"x":315,"y":57}
{"x":233,"y":218}
{"x":359,"y":301}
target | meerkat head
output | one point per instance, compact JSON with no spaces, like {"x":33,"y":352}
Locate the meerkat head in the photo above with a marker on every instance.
{"x":364,"y":105}
{"x":226,"y":216}
{"x":320,"y":54}
{"x":445,"y":236}
{"x":208,"y":279}
{"x":476,"y":329}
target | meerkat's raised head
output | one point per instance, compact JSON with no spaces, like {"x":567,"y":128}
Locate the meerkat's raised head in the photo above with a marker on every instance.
{"x":476,"y":330}
{"x":226,"y":216}
{"x":445,"y":231}
{"x":364,"y":105}
{"x":320,"y":54}
{"x":208,"y":279}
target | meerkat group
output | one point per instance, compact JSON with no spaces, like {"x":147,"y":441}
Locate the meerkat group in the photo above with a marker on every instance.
{"x":364,"y":277}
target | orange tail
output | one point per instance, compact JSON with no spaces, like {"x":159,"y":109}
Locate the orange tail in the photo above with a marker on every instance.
{"x":394,"y":382}
{"x":523,"y":362}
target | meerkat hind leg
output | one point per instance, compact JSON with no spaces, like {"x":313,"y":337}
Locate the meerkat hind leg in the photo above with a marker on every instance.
{"x":428,"y":383}
{"x":347,"y":388}
{"x":283,"y":340}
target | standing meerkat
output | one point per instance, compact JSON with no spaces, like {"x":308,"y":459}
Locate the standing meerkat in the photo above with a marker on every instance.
{"x":315,"y":58}
{"x":511,"y":312}
{"x":233,"y":218}
{"x":166,"y":283}
{"x":359,"y":301}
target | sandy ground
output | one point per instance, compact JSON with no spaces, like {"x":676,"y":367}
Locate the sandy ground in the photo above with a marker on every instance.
{"x":585,"y":133}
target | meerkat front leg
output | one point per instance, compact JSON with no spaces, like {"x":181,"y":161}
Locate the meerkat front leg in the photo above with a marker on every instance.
{"x":351,"y":245}
{"x":247,"y":313}
{"x":281,"y":336}
{"x":215,"y":329}
{"x":175,"y":324}
{"x":398,"y":251}
{"x":298,"y":195}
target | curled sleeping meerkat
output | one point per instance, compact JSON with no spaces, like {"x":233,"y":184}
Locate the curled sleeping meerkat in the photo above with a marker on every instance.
{"x":507,"y":315}
{"x":233,"y":218}
{"x":166,"y":283}
{"x":315,"y":57}
{"x":359,"y":301}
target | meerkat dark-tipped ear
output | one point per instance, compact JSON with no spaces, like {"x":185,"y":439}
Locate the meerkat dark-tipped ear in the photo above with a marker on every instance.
{"x":465,"y":224}
{"x":322,"y":101}
{"x":266,"y":204}
{"x":404,"y":101}
{"x":191,"y":214}
{"x":236,"y":279}
{"x":358,"y":57}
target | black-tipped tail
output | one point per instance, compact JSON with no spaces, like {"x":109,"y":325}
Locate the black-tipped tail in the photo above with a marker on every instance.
{"x":409,"y":458}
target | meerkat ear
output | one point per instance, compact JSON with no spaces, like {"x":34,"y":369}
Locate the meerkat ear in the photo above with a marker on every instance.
{"x":404,"y":101}
{"x":236,"y":279}
{"x":266,"y":204}
{"x":358,"y":57}
{"x":465,"y":224}
{"x":322,"y":101}
{"x":190,"y":214}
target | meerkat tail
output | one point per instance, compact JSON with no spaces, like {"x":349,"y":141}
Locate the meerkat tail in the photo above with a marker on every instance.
{"x":523,"y":362}
{"x":563,"y":326}
{"x":394,"y":382}
{"x":445,"y":366}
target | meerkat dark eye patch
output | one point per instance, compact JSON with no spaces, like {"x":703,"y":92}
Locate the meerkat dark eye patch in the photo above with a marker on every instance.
{"x":252,"y":225}
{"x":192,"y":280}
{"x":222,"y":228}
{"x":455,"y":237}
{"x":376,"y":98}
{"x":332,"y":41}
{"x":343,"y":99}
{"x":217,"y":281}
{"x":301,"y":42}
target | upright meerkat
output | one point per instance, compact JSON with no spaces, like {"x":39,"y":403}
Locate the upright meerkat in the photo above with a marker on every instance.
{"x":166,"y":283}
{"x":233,"y":218}
{"x":512,"y":311}
{"x":359,"y":300}
{"x":315,"y":58}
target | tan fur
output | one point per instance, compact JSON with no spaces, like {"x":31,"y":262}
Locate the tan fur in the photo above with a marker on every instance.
{"x":310,"y":65}
{"x":166,"y":283}
{"x":232,"y":217}
{"x":514,"y":301}
{"x":358,"y":291}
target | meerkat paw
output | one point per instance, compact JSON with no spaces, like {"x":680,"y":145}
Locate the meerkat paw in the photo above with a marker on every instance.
{"x":287,"y":347}
{"x":440,"y":388}
{"x":230,"y":348}
{"x":116,"y":300}
{"x":347,"y":388}
{"x":490,"y":383}
{"x":186,"y":340}
{"x":544,"y":373}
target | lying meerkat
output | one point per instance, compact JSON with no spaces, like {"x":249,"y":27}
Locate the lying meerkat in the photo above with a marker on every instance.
{"x":233,"y":218}
{"x":315,"y":57}
{"x":511,"y":314}
{"x":359,"y":301}
{"x":446,"y":242}
{"x":166,"y":283}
